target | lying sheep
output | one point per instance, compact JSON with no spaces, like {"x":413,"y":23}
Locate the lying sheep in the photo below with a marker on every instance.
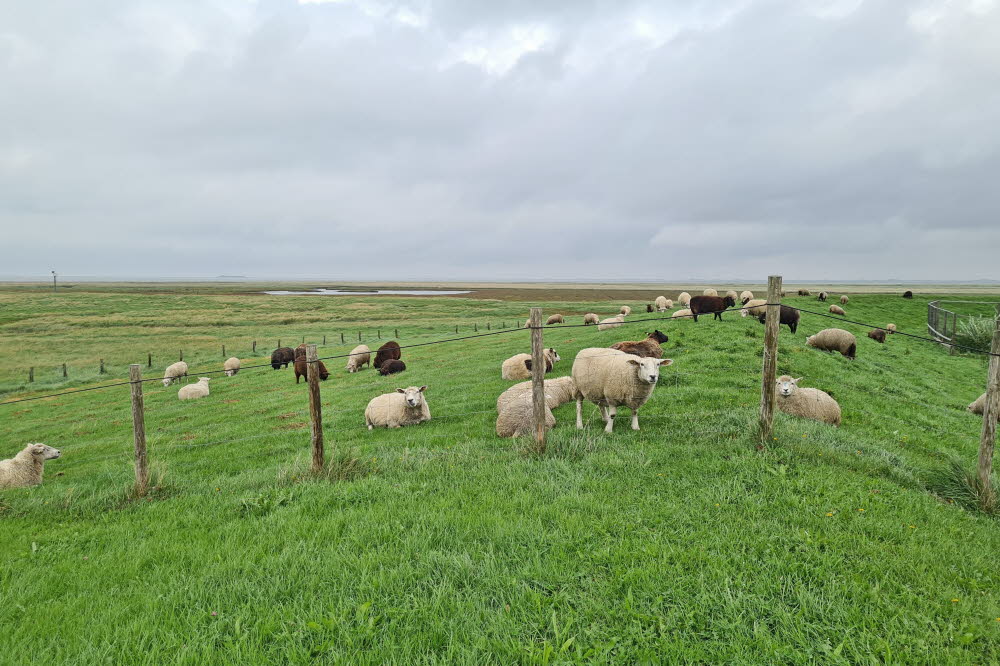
{"x":877,"y":334}
{"x":807,"y":403}
{"x":746,"y":296}
{"x":174,"y":372}
{"x":231,"y":366}
{"x":590,"y":318}
{"x":625,"y":311}
{"x":281,"y":357}
{"x":302,"y":369}
{"x":517,"y":418}
{"x":557,"y":391}
{"x":647,"y":348}
{"x":712,"y":305}
{"x":360,"y":356}
{"x":837,"y":310}
{"x":611,"y":322}
{"x":519,"y":365}
{"x":555,"y":319}
{"x":26,"y":468}
{"x":788,"y":316}
{"x":682,"y":313}
{"x":834,"y":340}
{"x":610,"y":378}
{"x":753,"y":308}
{"x":684,"y":298}
{"x":844,"y":300}
{"x":387,"y":352}
{"x":394,"y":410}
{"x":661,"y":303}
{"x":194,"y":391}
{"x":391,"y":367}
{"x":978,"y":406}
{"x":890,"y":328}
{"x":710,"y":292}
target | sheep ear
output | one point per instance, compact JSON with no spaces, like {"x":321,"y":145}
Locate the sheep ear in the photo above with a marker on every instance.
{"x":527,"y":363}
{"x":400,"y":390}
{"x":423,"y":388}
{"x":796,"y":381}
{"x":633,"y":361}
{"x":666,"y":361}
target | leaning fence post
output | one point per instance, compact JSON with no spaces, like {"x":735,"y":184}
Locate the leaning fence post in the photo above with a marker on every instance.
{"x":149,"y":359}
{"x":254,"y":346}
{"x":396,"y":331}
{"x":223,"y":351}
{"x":101,"y":370}
{"x":771,"y":324}
{"x":138,"y":430}
{"x":991,"y":411}
{"x":324,"y":341}
{"x":315,"y":408}
{"x":31,"y":374}
{"x":341,"y":338}
{"x":538,"y":378}
{"x":64,"y":370}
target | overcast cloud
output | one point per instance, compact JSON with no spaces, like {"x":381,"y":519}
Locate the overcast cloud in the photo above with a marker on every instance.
{"x":543,"y":139}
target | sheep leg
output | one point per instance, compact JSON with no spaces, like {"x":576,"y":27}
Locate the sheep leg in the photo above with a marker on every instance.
{"x":635,"y":419}
{"x":610,"y":424}
{"x":579,"y":413}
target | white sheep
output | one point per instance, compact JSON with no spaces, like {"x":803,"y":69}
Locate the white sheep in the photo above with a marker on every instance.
{"x":978,"y":406}
{"x":394,"y":410}
{"x":557,"y":391}
{"x":710,"y":292}
{"x":661,"y":303}
{"x":834,"y":340}
{"x":610,"y":322}
{"x":25,"y":469}
{"x":555,"y":319}
{"x":844,"y":300}
{"x":360,"y":356}
{"x":682,"y":313}
{"x":194,"y":391}
{"x":890,"y":328}
{"x":746,"y":296}
{"x":625,"y":311}
{"x":684,"y":298}
{"x":517,"y":419}
{"x":667,"y":305}
{"x":733,"y":295}
{"x":174,"y":372}
{"x":610,"y":378}
{"x":753,"y":308}
{"x":517,"y":366}
{"x":590,"y":318}
{"x":231,"y":366}
{"x":808,"y":403}
{"x":837,"y":310}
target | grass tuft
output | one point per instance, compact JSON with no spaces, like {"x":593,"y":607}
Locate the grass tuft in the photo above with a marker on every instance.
{"x":957,"y":483}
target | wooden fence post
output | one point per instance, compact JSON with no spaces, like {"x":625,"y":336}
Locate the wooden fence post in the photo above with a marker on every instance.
{"x":31,"y":374}
{"x":359,"y":336}
{"x":101,"y":370}
{"x":487,"y":326}
{"x":279,"y":342}
{"x":991,"y":410}
{"x":64,"y":370}
{"x":379,"y":333}
{"x":767,"y":388}
{"x":254,"y":346}
{"x":182,"y":355}
{"x":341,"y":338}
{"x":396,"y":332}
{"x":324,"y":341}
{"x":538,"y":379}
{"x":315,"y":408}
{"x":475,"y":327}
{"x":223,"y":351}
{"x":456,"y":330}
{"x":139,"y":430}
{"x":149,"y":359}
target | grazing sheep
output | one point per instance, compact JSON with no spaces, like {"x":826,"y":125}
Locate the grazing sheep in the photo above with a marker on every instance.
{"x":837,"y":310}
{"x":194,"y":391}
{"x":662,"y":304}
{"x":684,"y":298}
{"x":682,"y":313}
{"x":519,"y":365}
{"x":844,"y":300}
{"x":789,"y":317}
{"x":807,"y":403}
{"x":890,"y":328}
{"x":907,"y":294}
{"x":231,"y":366}
{"x":625,"y":311}
{"x":649,"y":307}
{"x":174,"y":372}
{"x":281,"y":357}
{"x":610,"y":378}
{"x":753,"y":308}
{"x":823,"y":296}
{"x":360,"y":356}
{"x":391,"y":366}
{"x":746,"y":296}
{"x":668,"y":305}
{"x":978,"y":406}
{"x":834,"y":340}
{"x":712,"y":305}
{"x":527,"y":323}
{"x":300,"y":351}
{"x":733,"y":295}
{"x":804,"y":292}
{"x":388,"y":352}
{"x":710,"y":292}
{"x":394,"y":410}
{"x":555,"y":319}
{"x":590,"y":318}
{"x":877,"y":334}
{"x":517,"y":418}
{"x":26,"y":468}
{"x":611,"y":322}
{"x":302,"y":369}
{"x":557,"y":391}
{"x":648,"y":348}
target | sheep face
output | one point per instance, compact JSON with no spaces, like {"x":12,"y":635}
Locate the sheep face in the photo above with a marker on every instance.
{"x":43,"y":452}
{"x":555,"y":356}
{"x":413,"y":396}
{"x":787,"y":385}
{"x":648,"y":369}
{"x":658,"y":336}
{"x":167,"y":380}
{"x":729,"y":301}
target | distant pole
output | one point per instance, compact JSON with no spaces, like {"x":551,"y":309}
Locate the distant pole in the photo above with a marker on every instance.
{"x":324,"y":341}
{"x":475,"y":327}
{"x":456,"y":330}
{"x":182,"y":355}
{"x":54,"y":282}
{"x":223,"y":351}
{"x":149,"y":359}
{"x":771,"y":323}
{"x":101,"y":371}
{"x":379,"y":332}
{"x":991,"y":410}
{"x":396,"y":332}
{"x":315,"y":408}
{"x":64,"y":370}
{"x":341,"y":338}
{"x":254,"y":346}
{"x":359,"y":336}
{"x":487,"y":326}
{"x":31,"y":374}
{"x":139,"y":430}
{"x":538,"y":378}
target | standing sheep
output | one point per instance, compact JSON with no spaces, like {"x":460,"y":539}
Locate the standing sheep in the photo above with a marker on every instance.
{"x":788,"y":316}
{"x":746,"y":296}
{"x":611,"y":322}
{"x":394,"y":410}
{"x":555,"y":319}
{"x":388,"y":352}
{"x":710,"y":292}
{"x":844,"y":300}
{"x":557,"y":391}
{"x":519,"y":365}
{"x":877,"y":334}
{"x":360,"y":356}
{"x":174,"y":372}
{"x":26,"y":468}
{"x":302,"y":369}
{"x":808,"y":403}
{"x":733,"y":295}
{"x":625,"y":311}
{"x":753,"y":308}
{"x":281,"y":357}
{"x":661,"y":304}
{"x":194,"y":391}
{"x":834,"y":340}
{"x":837,"y":310}
{"x":610,"y":378}
{"x":590,"y":318}
{"x":890,"y":328}
{"x":684,"y":298}
{"x":647,"y":348}
{"x":391,"y":367}
{"x":712,"y":305}
{"x":823,"y":296}
{"x":231,"y":366}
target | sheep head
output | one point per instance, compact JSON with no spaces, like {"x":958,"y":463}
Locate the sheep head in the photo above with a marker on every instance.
{"x":43,"y":452}
{"x":658,"y":336}
{"x":648,"y":369}
{"x":787,"y":385}
{"x":413,"y":395}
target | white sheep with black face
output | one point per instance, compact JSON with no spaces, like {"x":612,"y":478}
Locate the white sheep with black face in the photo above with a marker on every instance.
{"x":610,"y":378}
{"x":808,"y":403}
{"x":394,"y":410}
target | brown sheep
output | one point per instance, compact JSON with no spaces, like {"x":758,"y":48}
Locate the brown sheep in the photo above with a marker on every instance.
{"x":712,"y":305}
{"x":281,"y":357}
{"x":648,"y":348}
{"x":877,"y":334}
{"x":391,"y":366}
{"x":301,"y":369}
{"x":387,"y":352}
{"x":908,"y":294}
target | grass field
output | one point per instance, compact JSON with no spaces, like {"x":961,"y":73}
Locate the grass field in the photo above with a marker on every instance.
{"x":682,"y":543}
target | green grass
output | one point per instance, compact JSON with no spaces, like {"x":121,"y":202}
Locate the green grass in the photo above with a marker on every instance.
{"x":682,"y":543}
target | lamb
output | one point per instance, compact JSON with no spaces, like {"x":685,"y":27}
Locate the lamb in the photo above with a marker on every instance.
{"x":281,"y":357}
{"x":519,"y":365}
{"x":174,"y":372}
{"x":388,"y":352}
{"x":610,"y":378}
{"x":976,"y":407}
{"x":360,"y":356}
{"x":844,"y":300}
{"x":746,"y":296}
{"x":823,"y":296}
{"x":877,"y":334}
{"x":753,"y":308}
{"x":194,"y":391}
{"x":837,"y":310}
{"x":907,"y":294}
{"x":26,"y":468}
{"x":681,"y":313}
{"x":557,"y":391}
{"x":555,"y":319}
{"x":662,"y":304}
{"x":611,"y":322}
{"x":834,"y":340}
{"x":710,"y":305}
{"x":684,"y":298}
{"x":517,"y":419}
{"x":710,"y":292}
{"x":391,"y":367}
{"x":890,"y":328}
{"x":648,"y":348}
{"x":789,"y":316}
{"x":625,"y":311}
{"x":394,"y":410}
{"x":807,"y":403}
{"x":590,"y":318}
{"x":231,"y":366}
{"x":302,"y":369}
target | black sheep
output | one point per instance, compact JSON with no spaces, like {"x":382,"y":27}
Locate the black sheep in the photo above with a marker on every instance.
{"x":649,"y":308}
{"x":282,"y":356}
{"x":301,"y":366}
{"x":387,"y":352}
{"x":391,"y":366}
{"x":712,"y":305}
{"x":789,"y":317}
{"x":908,"y":294}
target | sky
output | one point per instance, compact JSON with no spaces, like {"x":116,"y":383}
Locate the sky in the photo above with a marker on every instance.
{"x":503,"y":140}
